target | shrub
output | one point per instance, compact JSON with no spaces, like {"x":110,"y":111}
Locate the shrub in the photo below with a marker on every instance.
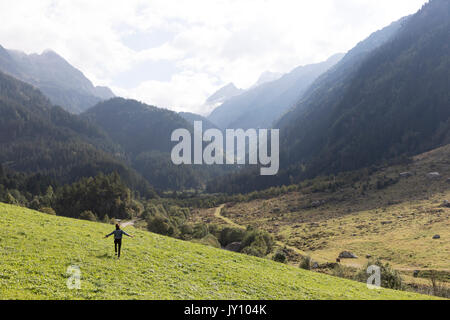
{"x":280,"y":256}
{"x":106,"y":219}
{"x":10,"y":199}
{"x":161,"y":225}
{"x":214,"y":229}
{"x":254,"y":251}
{"x":343,"y":272}
{"x":390,"y":278}
{"x":305,"y":263}
{"x":186,"y":231}
{"x":209,"y":240}
{"x":177,"y":215}
{"x":88,"y":215}
{"x":35,"y":204}
{"x":260,"y":239}
{"x":438,"y":288}
{"x":230,"y":235}
{"x":48,"y":210}
{"x":200,"y":231}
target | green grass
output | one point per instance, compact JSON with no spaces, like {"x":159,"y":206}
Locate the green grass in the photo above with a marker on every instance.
{"x":36,"y":249}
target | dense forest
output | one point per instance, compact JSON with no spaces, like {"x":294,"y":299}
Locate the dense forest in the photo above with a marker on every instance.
{"x":396,"y":103}
{"x":93,"y":198}
{"x":36,"y":137}
{"x":58,"y":163}
{"x":144,"y":133}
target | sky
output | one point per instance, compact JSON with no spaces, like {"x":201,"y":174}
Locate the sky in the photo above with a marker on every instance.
{"x":174,"y":54}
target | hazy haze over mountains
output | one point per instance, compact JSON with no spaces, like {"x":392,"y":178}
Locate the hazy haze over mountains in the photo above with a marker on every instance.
{"x":386,"y":100}
{"x":388,"y":97}
{"x":261,"y":106}
{"x":174,"y":54}
{"x":191,"y":117}
{"x":267,"y":76}
{"x":220,"y":96}
{"x":323,"y":109}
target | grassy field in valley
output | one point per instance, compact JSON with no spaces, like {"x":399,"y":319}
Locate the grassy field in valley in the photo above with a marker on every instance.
{"x":36,"y":249}
{"x":395,"y":223}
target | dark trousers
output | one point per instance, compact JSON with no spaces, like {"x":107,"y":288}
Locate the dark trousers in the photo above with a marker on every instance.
{"x":117,"y":246}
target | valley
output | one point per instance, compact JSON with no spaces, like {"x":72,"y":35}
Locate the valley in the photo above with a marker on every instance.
{"x":358,"y":174}
{"x":395,"y":223}
{"x":36,"y":249}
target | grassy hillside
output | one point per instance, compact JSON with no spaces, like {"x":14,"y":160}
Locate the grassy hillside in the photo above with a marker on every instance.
{"x":36,"y":249}
{"x":373,"y":212}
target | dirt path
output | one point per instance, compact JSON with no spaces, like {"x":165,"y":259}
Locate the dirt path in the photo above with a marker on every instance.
{"x":128,"y":223}
{"x":218,"y":214}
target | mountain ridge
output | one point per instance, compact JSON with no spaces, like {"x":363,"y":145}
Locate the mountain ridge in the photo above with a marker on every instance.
{"x":375,"y":116}
{"x":62,"y":83}
{"x":261,"y":106}
{"x":39,"y":138}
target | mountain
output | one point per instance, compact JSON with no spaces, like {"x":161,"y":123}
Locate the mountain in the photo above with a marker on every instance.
{"x":151,"y":267}
{"x":134,"y":125}
{"x":260,"y":107}
{"x":144,"y":133}
{"x":389,"y":97}
{"x":191,"y":117}
{"x":267,"y":77}
{"x":220,"y":96}
{"x":36,"y":137}
{"x":63,"y":84}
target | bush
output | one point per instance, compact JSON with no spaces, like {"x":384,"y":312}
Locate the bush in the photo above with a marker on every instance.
{"x":390,"y":278}
{"x":279,"y":256}
{"x":305,"y":263}
{"x":254,"y":251}
{"x":48,"y":210}
{"x":177,"y":215}
{"x":438,"y":288}
{"x":35,"y":204}
{"x":230,"y":235}
{"x":209,"y":240}
{"x":200,"y":231}
{"x":262,"y":240}
{"x":214,"y":229}
{"x":106,"y":219}
{"x":161,"y":225}
{"x":88,"y":215}
{"x":9,"y":199}
{"x":343,"y":272}
{"x":186,"y":231}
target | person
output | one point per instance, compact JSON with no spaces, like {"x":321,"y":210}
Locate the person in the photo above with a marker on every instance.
{"x":118,"y":233}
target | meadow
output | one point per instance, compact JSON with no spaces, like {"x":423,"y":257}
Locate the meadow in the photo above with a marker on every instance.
{"x":381,"y":212}
{"x":36,"y":250}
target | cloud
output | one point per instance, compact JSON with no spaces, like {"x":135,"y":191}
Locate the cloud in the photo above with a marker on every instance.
{"x":185,"y":91}
{"x":191,"y":48}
